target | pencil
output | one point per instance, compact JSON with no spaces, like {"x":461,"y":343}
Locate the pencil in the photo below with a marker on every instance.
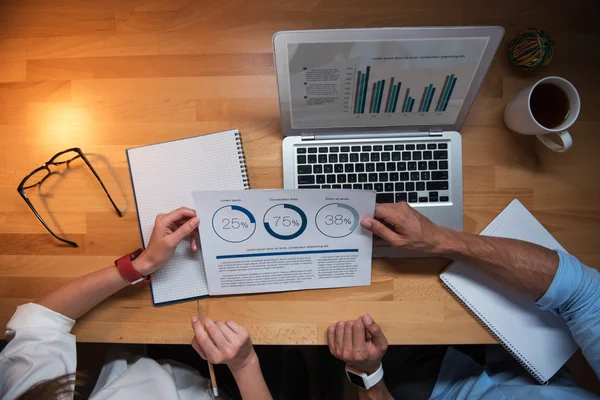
{"x":211,"y":370}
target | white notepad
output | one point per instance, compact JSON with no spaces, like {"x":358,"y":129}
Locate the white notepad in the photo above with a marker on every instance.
{"x":163,"y":176}
{"x":539,"y":340}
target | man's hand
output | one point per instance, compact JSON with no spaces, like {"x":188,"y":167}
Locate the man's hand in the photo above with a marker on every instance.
{"x":223,"y":343}
{"x":347,"y":341}
{"x":169,"y":229}
{"x":405,"y":228}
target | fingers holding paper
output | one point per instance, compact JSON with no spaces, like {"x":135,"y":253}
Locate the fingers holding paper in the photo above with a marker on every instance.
{"x":182,"y":223}
{"x":169,"y":229}
{"x":405,"y":228}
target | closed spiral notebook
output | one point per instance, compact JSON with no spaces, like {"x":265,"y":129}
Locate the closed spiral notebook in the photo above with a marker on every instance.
{"x":163,"y":177}
{"x":538,"y":339}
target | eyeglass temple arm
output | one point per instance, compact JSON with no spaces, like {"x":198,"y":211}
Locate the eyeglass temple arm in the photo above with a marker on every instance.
{"x":101,"y":183}
{"x":39,"y":217}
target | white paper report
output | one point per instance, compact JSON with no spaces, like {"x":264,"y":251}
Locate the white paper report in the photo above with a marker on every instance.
{"x":275,"y":240}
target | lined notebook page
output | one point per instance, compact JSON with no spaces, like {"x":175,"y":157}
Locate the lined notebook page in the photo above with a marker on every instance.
{"x":540,"y":340}
{"x":163,"y":177}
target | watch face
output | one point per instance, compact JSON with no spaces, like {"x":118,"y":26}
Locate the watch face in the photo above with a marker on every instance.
{"x":356,"y":379}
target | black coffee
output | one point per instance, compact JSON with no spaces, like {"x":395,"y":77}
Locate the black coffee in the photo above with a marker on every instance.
{"x":549,"y":105}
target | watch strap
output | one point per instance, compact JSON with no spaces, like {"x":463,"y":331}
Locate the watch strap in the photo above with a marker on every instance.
{"x":368,"y":380}
{"x":127,"y":271}
{"x":374,"y":378}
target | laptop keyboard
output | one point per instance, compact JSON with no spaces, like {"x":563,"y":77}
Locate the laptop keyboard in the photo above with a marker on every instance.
{"x":411,"y":172}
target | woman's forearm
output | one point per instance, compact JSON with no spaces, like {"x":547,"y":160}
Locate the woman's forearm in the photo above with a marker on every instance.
{"x":251,"y":382}
{"x":82,"y":294}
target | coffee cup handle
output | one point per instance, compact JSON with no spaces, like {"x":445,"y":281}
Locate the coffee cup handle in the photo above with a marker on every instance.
{"x":564,"y":136}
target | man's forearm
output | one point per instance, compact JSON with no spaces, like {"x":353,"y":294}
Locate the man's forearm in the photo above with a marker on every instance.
{"x":377,"y":392}
{"x":82,"y":294}
{"x":524,"y":266}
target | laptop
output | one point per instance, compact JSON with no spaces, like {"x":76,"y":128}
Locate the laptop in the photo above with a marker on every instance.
{"x":381,"y":109}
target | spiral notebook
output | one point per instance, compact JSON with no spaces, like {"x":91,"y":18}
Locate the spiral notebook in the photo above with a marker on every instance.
{"x":538,"y":339}
{"x":163,"y":177}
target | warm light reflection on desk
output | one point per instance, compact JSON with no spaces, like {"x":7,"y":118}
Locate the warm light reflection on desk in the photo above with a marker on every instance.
{"x":58,"y":126}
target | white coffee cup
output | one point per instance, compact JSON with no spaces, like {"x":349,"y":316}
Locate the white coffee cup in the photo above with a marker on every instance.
{"x":519,"y":118}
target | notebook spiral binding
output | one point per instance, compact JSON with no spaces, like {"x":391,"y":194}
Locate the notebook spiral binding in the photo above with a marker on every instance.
{"x":242,"y":158}
{"x":482,"y":320}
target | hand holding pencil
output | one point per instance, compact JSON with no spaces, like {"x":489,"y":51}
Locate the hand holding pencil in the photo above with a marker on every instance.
{"x":223,"y":343}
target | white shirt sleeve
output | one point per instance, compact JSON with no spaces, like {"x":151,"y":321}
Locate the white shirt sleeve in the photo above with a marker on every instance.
{"x":40,"y":347}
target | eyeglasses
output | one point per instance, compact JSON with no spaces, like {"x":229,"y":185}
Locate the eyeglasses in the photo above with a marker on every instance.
{"x":39,"y":175}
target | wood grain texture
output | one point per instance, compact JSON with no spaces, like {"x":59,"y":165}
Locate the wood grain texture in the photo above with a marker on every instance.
{"x":18,"y":22}
{"x":150,"y":66}
{"x":110,"y":75}
{"x":12,"y":70}
{"x":91,"y":45}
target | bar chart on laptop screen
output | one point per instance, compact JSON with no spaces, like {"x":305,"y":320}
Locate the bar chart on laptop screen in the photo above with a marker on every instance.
{"x":411,"y":82}
{"x":385,"y":99}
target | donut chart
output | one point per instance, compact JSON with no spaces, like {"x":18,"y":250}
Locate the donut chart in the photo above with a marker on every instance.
{"x":233,"y":224}
{"x":285,"y":221}
{"x":337,"y":220}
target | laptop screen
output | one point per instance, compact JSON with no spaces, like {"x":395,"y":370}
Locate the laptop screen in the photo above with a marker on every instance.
{"x":376,"y":83}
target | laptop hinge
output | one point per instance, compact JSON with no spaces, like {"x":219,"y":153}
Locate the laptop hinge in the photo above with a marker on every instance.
{"x":435,"y":132}
{"x":306,"y":136}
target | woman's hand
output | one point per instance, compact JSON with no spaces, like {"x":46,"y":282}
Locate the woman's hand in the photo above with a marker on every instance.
{"x":230,"y":343}
{"x":347,"y":341}
{"x":223,"y":343}
{"x":169,"y":229}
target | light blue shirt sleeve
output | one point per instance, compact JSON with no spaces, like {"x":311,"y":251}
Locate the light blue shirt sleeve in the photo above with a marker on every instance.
{"x":575,"y":295}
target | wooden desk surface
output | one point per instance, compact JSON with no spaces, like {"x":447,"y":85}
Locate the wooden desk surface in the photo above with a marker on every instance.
{"x":110,"y":75}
